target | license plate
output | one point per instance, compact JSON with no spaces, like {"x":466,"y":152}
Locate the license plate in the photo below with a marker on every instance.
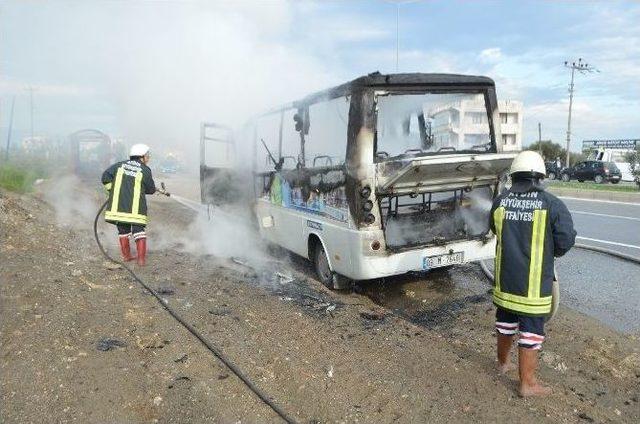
{"x":429,"y":262}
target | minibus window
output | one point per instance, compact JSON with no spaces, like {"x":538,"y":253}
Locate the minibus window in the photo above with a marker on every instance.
{"x":326,"y":143}
{"x":432,"y":123}
{"x":290,"y":140}
{"x":267,"y":130}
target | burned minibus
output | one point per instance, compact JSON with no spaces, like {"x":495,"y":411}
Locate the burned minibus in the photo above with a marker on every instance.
{"x":383,"y":175}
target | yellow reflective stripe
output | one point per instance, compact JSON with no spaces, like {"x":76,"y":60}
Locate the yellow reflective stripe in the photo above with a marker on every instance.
{"x":108,"y":186}
{"x":136,"y":193}
{"x":518,"y":307}
{"x":498,"y":219}
{"x":126,"y":217}
{"x":116,"y":190}
{"x":510,"y":297}
{"x":537,"y":249}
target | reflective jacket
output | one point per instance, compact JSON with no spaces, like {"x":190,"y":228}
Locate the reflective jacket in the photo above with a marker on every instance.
{"x":127,"y":183}
{"x":532,"y":227}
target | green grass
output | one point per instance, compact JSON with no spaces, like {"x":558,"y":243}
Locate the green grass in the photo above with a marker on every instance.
{"x":19,"y":176}
{"x":590,"y":185}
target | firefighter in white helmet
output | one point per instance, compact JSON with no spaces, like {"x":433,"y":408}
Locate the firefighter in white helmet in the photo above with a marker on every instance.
{"x":532,"y":228}
{"x":127,"y":183}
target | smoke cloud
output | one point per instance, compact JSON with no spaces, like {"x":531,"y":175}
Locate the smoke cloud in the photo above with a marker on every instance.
{"x":181,"y":64}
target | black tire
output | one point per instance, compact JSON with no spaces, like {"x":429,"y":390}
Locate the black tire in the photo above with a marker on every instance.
{"x":580,"y":181}
{"x":566,"y":178}
{"x":551,"y":176}
{"x":321,"y":265}
{"x":615,"y":181}
{"x":599,"y":179}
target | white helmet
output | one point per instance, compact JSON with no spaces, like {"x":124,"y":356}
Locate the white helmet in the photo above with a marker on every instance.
{"x":139,"y":150}
{"x":528,"y":161}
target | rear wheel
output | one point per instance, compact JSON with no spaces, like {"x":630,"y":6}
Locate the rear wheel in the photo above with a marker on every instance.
{"x":565,"y":178}
{"x":580,"y":181}
{"x":551,"y":175}
{"x":615,"y":181}
{"x":327,"y":277}
{"x":321,"y":263}
{"x":598,"y":179}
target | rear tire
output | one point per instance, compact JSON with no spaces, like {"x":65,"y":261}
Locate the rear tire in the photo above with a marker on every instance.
{"x":580,"y":181}
{"x":551,"y":176}
{"x":566,"y":178}
{"x":598,"y":179}
{"x":328,"y":278}
{"x":321,"y":265}
{"x":615,"y":181}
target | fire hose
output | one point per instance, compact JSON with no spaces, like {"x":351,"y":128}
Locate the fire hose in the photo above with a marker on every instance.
{"x":210,"y":346}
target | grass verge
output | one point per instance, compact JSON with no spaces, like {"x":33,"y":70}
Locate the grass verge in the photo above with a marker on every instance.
{"x":19,"y":177}
{"x":590,"y":186}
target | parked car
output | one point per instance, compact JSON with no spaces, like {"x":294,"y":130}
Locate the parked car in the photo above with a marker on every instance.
{"x":593,"y":170}
{"x":553,"y":170}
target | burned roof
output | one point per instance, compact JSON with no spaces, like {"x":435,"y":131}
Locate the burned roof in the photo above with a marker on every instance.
{"x":378,"y":80}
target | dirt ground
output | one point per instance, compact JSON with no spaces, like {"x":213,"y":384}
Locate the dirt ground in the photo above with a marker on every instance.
{"x":410,"y":349}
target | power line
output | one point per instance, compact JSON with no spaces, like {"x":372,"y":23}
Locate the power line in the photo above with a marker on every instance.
{"x":398,"y":3}
{"x":581,"y":67}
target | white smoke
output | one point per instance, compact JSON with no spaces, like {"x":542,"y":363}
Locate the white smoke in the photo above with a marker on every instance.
{"x":74,"y":203}
{"x":476,"y":215}
{"x":187,"y":63}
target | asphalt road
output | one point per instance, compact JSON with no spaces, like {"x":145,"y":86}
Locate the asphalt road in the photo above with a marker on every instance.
{"x":612,"y":225}
{"x":600,"y":285}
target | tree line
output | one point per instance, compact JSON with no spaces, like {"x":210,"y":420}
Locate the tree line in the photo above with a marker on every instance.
{"x":551,"y":152}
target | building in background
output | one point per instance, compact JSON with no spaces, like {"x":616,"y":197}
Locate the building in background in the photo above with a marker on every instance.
{"x":511,"y":124}
{"x":465,"y":123}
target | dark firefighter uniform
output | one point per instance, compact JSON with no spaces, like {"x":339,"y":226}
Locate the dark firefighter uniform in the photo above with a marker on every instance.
{"x":532,"y":227}
{"x":127,"y":183}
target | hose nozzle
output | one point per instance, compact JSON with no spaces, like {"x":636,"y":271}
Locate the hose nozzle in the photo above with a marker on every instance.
{"x":163,"y":190}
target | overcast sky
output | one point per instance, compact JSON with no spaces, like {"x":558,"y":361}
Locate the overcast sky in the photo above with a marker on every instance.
{"x":151,"y":71}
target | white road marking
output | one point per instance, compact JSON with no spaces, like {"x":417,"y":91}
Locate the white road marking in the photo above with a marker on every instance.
{"x":600,"y":201}
{"x":605,"y":215}
{"x":609,"y":242}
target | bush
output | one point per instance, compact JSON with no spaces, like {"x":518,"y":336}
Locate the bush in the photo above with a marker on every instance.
{"x":13,"y":178}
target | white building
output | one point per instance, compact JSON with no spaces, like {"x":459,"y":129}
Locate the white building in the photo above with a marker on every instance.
{"x":465,"y":123}
{"x":511,"y":124}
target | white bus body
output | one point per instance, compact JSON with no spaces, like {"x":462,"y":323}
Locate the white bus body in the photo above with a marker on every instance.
{"x":381,"y":176}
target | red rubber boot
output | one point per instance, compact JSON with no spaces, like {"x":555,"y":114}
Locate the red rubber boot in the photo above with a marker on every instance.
{"x":125,"y":249}
{"x":141,"y":246}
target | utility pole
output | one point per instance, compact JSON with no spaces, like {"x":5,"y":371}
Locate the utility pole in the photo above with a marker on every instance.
{"x":397,"y":35}
{"x":13,"y":103}
{"x":31,"y":89}
{"x":581,"y":67}
{"x":539,"y":138}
